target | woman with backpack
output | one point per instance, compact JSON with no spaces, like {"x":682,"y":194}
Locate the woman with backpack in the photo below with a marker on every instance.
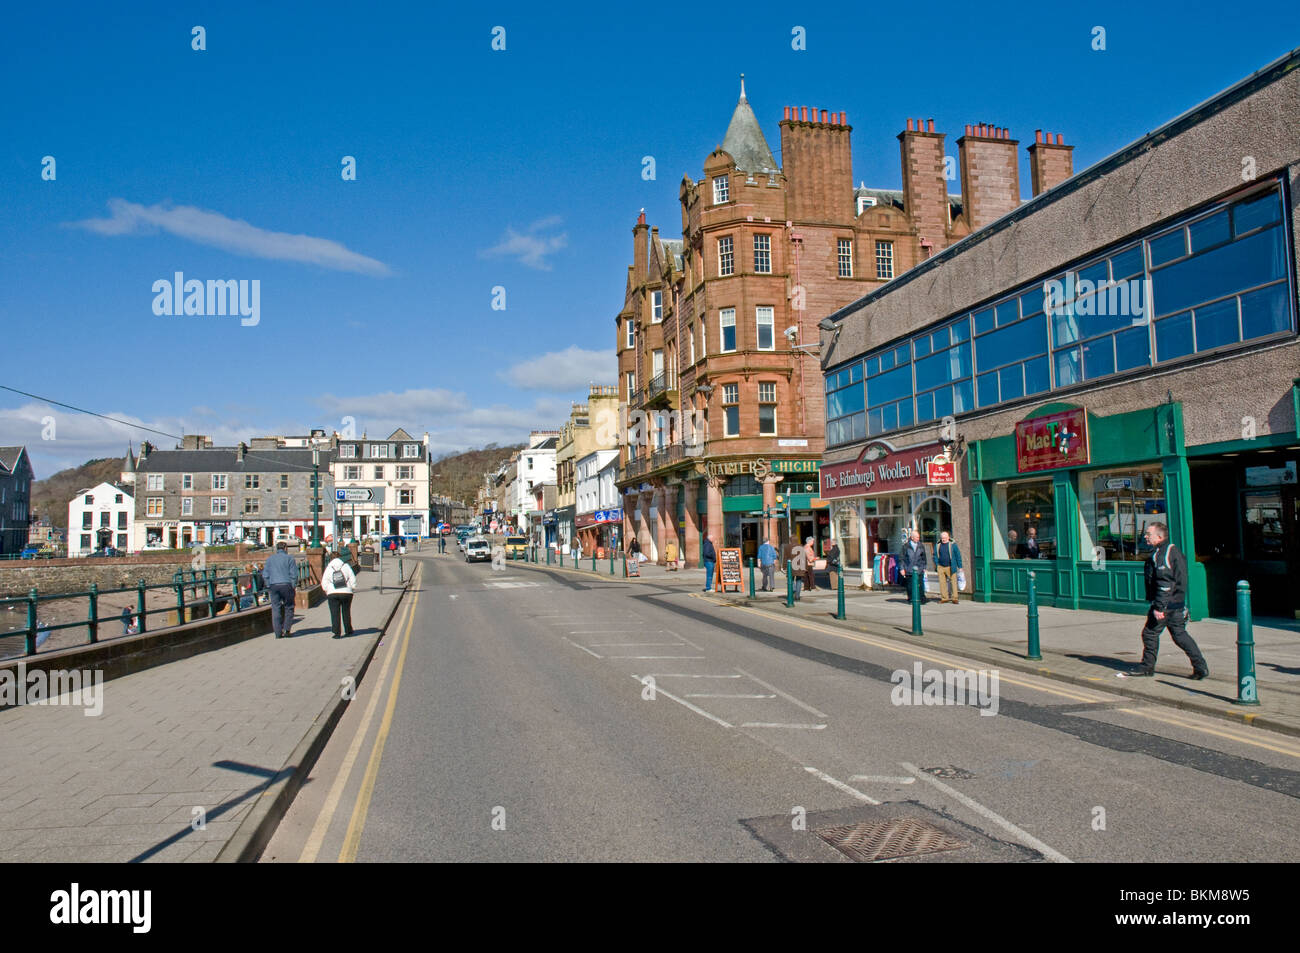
{"x":339,"y":582}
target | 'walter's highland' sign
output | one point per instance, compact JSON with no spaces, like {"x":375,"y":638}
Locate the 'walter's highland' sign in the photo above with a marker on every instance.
{"x":1057,"y":440}
{"x":880,"y":469}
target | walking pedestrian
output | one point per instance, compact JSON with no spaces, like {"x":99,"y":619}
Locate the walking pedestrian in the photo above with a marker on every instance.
{"x":767,"y":563}
{"x":710,"y":557}
{"x":670,"y":554}
{"x":797,"y":560}
{"x":947,"y":559}
{"x":810,"y":562}
{"x":127,"y":620}
{"x":339,"y":582}
{"x":281,"y":575}
{"x":1166,"y":583}
{"x":634,"y":550}
{"x":913,"y":561}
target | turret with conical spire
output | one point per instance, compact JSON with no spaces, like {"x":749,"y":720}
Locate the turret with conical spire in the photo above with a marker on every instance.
{"x":128,"y":466}
{"x":744,"y":141}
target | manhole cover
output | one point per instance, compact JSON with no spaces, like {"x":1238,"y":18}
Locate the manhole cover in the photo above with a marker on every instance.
{"x":952,"y":771}
{"x":886,"y":840}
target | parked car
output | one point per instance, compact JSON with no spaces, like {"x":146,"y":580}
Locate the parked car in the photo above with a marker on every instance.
{"x":388,"y":542}
{"x":477,"y":549}
{"x":108,"y":551}
{"x":31,"y":552}
{"x":516,"y":547}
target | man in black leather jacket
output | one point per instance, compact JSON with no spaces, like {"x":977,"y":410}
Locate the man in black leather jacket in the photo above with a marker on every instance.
{"x":1166,"y":581}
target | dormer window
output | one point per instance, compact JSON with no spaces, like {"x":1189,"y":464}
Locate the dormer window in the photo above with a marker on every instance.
{"x":721,"y":190}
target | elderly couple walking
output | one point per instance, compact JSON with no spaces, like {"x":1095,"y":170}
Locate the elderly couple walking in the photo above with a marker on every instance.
{"x":337,"y":580}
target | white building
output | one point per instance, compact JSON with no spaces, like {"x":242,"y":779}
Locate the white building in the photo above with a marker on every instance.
{"x":535,"y":466}
{"x":384,"y":486}
{"x":597,"y":516}
{"x":101,"y":516}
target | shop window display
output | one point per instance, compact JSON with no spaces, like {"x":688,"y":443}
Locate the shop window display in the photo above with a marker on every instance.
{"x":1024,"y":520}
{"x":1115,"y":507}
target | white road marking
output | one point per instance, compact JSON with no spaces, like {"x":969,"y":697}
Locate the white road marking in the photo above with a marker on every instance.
{"x":684,"y":639}
{"x":583,"y":647}
{"x":684,"y":675}
{"x":882,"y":779}
{"x":451,"y":597}
{"x":1027,"y":838}
{"x":660,"y":657}
{"x":683,"y":701}
{"x":840,"y":785}
{"x":725,"y":695}
{"x":633,"y":643}
{"x":787,"y":697}
{"x":769,"y":724}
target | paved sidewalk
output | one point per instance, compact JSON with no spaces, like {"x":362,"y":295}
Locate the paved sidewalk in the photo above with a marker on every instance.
{"x":208,"y":732}
{"x":1077,"y":645}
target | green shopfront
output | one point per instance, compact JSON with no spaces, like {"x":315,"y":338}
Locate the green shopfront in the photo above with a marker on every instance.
{"x":1067,"y":496}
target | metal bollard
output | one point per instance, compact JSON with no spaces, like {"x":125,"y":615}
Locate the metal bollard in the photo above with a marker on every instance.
{"x":914,"y":578}
{"x":751,"y":578}
{"x":1247,"y":687}
{"x":789,"y":585}
{"x":611,"y":560}
{"x":1032,"y":615}
{"x":399,"y":570}
{"x":548,"y":555}
{"x":92,"y":614}
{"x":593,"y":560}
{"x":140,"y":608}
{"x":30,"y":640}
{"x":839,"y":607}
{"x":625,"y":565}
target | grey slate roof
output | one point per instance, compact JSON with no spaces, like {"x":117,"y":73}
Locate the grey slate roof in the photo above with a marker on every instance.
{"x":9,"y":457}
{"x":894,"y":197}
{"x":744,"y":141}
{"x":226,"y":460}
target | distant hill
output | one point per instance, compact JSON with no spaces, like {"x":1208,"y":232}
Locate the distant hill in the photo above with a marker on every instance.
{"x":50,"y":497}
{"x":459,"y":475}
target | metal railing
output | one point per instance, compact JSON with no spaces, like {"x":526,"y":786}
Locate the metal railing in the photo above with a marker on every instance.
{"x":205,"y":593}
{"x":661,"y":383}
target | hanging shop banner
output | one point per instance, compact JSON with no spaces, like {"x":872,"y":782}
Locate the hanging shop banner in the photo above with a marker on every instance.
{"x":879,"y":469}
{"x":728,"y":570}
{"x":1051,"y":442}
{"x":941,"y":472}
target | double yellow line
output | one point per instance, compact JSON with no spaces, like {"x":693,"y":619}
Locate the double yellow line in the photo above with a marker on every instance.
{"x":352,"y":840}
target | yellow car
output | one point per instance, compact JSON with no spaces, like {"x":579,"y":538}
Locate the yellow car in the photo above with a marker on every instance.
{"x":516,"y":547}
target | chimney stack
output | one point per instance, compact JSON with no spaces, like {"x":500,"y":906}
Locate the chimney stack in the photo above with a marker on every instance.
{"x":925,"y":192}
{"x":990,"y":174}
{"x":817,"y":162}
{"x":1050,"y":163}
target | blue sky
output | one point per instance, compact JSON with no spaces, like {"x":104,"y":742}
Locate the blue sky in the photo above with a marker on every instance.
{"x":475,"y":169}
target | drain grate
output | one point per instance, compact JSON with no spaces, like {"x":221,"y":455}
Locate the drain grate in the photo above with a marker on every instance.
{"x":885,"y":840}
{"x":951,"y":771}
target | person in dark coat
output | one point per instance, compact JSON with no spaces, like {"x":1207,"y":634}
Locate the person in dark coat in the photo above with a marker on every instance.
{"x":912,"y":560}
{"x":1166,"y":584}
{"x":1028,"y":548}
{"x":710,"y":557}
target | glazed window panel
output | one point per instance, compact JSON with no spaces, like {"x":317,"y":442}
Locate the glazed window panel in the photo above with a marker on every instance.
{"x":1115,"y":506}
{"x":727,"y":328}
{"x":1018,"y":507}
{"x":766,"y":326}
{"x":1249,"y":262}
{"x":763,"y":254}
{"x":726,"y":256}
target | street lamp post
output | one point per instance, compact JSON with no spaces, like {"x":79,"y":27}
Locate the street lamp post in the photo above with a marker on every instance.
{"x":315,"y":497}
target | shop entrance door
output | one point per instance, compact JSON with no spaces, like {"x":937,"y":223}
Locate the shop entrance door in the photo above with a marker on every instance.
{"x":751,"y":530}
{"x":1269,"y":544}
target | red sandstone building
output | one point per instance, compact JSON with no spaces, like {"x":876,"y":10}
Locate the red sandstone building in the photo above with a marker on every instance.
{"x":717,"y":338}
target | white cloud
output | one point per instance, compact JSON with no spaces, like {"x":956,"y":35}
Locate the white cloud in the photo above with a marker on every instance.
{"x":211,"y":228}
{"x":530,"y":247}
{"x":564,"y":371}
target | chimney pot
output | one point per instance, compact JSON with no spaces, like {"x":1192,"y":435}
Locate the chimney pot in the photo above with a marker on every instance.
{"x":909,"y":125}
{"x":824,"y":115}
{"x":787,"y":113}
{"x":929,"y":125}
{"x":803,"y":113}
{"x":1038,"y":135}
{"x":1060,"y":140}
{"x":844,"y":118}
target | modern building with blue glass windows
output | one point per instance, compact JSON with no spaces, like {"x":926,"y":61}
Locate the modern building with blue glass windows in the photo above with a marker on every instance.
{"x":1121,"y":349}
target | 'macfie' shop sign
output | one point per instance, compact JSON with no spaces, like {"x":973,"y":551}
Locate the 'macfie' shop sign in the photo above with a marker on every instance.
{"x":880,"y":469}
{"x":1057,"y":440}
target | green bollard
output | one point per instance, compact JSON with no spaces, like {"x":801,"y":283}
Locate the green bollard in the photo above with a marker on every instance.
{"x":92,"y":614}
{"x":751,"y":578}
{"x":140,"y":608}
{"x":548,"y":555}
{"x":1247,"y":687}
{"x":839,"y":580}
{"x":30,"y":640}
{"x":789,"y":585}
{"x":593,"y":560}
{"x":625,"y":565}
{"x":611,"y":560}
{"x":914,"y":583}
{"x":1032,"y":614}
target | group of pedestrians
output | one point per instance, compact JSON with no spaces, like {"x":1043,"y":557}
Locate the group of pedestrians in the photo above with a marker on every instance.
{"x":338,"y":581}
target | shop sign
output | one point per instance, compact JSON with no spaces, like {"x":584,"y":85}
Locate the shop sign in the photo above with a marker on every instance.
{"x":1057,"y":440}
{"x":879,"y":469}
{"x":941,"y":472}
{"x":795,"y":466}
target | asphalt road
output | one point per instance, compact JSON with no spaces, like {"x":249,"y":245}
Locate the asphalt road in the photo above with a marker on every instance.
{"x":509,"y":717}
